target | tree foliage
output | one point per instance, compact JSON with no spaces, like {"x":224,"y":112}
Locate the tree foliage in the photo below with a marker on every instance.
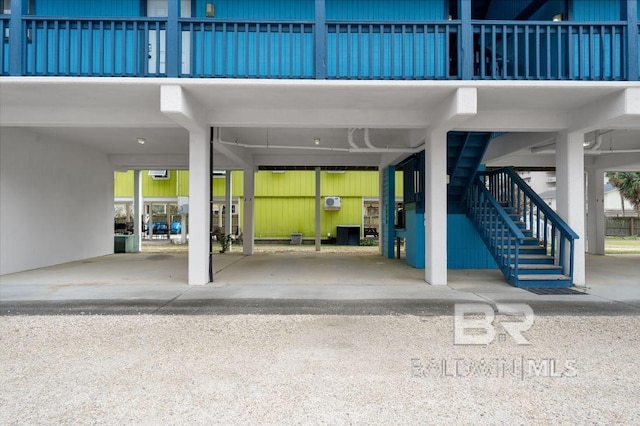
{"x":628,"y":183}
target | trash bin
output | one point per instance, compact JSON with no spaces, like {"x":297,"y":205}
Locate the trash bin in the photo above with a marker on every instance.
{"x":125,"y":244}
{"x":348,"y":235}
{"x":296,"y":239}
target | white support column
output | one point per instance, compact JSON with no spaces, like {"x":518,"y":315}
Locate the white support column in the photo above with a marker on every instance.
{"x":435,"y":207}
{"x":381,"y":196}
{"x":248,"y":212}
{"x":318,"y":211}
{"x":138,"y":213}
{"x":228,"y":214}
{"x":199,"y":208}
{"x":595,"y":211}
{"x":570,"y":194}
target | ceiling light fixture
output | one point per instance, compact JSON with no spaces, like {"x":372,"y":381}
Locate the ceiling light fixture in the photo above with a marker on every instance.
{"x":316,"y":141}
{"x":141,"y":141}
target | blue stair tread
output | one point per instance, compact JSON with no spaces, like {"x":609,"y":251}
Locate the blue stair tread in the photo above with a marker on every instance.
{"x":532,"y":257}
{"x":539,"y":266}
{"x":534,"y":277}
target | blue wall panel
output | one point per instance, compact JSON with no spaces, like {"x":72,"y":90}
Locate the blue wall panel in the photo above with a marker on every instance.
{"x":387,"y":10}
{"x":92,"y":8}
{"x":387,"y":213}
{"x":414,"y":241}
{"x":258,"y":10}
{"x":592,"y":10}
{"x":465,"y":248}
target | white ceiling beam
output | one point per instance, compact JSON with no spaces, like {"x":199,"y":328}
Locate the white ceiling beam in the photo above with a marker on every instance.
{"x":240,"y":156}
{"x":524,"y":161}
{"x":458,"y":108}
{"x":317,"y":160}
{"x":515,"y":121}
{"x":607,"y":111}
{"x":149,"y":161}
{"x":511,"y":143}
{"x":176,"y":104}
{"x":617,"y":162}
{"x":374,"y":118}
{"x":94,"y":116}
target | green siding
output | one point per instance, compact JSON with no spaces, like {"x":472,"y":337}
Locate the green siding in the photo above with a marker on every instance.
{"x":284,"y":202}
{"x":289,"y":183}
{"x":278,"y":217}
{"x":123,"y":184}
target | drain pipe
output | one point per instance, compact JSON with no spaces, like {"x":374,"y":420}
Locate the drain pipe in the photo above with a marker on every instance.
{"x":367,"y":141}
{"x":352,"y":144}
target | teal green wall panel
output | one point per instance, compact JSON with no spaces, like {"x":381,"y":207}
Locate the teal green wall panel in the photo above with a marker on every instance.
{"x":465,"y":248}
{"x":258,"y":9}
{"x":93,"y":8}
{"x":414,"y":240}
{"x":592,"y":10}
{"x":387,"y":10}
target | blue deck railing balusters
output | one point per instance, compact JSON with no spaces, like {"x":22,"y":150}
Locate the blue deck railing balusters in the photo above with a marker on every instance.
{"x":353,"y":49}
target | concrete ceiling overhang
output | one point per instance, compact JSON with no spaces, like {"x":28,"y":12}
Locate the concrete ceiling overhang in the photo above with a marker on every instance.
{"x":109,"y":114}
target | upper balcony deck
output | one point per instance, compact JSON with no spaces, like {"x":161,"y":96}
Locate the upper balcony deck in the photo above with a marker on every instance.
{"x":320,"y":48}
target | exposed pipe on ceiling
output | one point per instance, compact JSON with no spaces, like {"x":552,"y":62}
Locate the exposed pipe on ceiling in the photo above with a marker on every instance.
{"x":589,"y":149}
{"x":354,"y":148}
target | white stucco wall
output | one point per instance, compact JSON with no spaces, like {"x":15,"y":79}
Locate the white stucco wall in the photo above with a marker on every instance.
{"x":56,"y":201}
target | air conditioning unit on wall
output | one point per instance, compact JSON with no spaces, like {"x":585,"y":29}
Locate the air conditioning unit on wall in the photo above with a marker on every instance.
{"x":332,"y":203}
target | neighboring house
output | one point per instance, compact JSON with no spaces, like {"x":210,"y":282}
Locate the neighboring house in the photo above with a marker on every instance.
{"x":613,"y":202}
{"x":284,"y":200}
{"x":434,"y":89}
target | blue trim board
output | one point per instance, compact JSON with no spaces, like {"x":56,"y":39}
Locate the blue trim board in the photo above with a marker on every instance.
{"x":388,"y":211}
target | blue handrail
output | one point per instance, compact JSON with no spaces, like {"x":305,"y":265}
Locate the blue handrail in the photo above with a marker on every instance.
{"x":495,"y":226}
{"x":546,"y":225}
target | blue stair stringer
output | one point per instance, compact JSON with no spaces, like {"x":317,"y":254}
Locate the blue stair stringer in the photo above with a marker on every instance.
{"x":465,"y":151}
{"x":526,"y":237}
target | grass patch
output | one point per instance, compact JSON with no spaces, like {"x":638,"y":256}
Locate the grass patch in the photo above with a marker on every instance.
{"x":622,"y":245}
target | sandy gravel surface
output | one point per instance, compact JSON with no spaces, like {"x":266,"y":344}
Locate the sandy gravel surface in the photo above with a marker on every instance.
{"x":313,"y":370}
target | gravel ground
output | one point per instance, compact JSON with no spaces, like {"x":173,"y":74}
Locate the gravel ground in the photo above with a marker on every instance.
{"x":266,"y":369}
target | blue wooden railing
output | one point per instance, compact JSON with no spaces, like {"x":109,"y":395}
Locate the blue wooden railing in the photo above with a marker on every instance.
{"x":506,"y":186}
{"x":399,"y":50}
{"x":94,"y":46}
{"x":496,"y":228}
{"x":4,"y":44}
{"x":247,"y":49}
{"x":425,"y":50}
{"x":549,"y":50}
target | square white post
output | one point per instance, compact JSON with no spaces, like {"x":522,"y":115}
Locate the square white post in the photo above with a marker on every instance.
{"x":570,"y":195}
{"x":435,"y":207}
{"x":199,"y":208}
{"x":228,"y":213}
{"x":248,"y":212}
{"x":137,"y":209}
{"x":595,"y":211}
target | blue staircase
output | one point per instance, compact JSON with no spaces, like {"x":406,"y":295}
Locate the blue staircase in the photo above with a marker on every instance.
{"x":530,"y":243}
{"x":464,"y":155}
